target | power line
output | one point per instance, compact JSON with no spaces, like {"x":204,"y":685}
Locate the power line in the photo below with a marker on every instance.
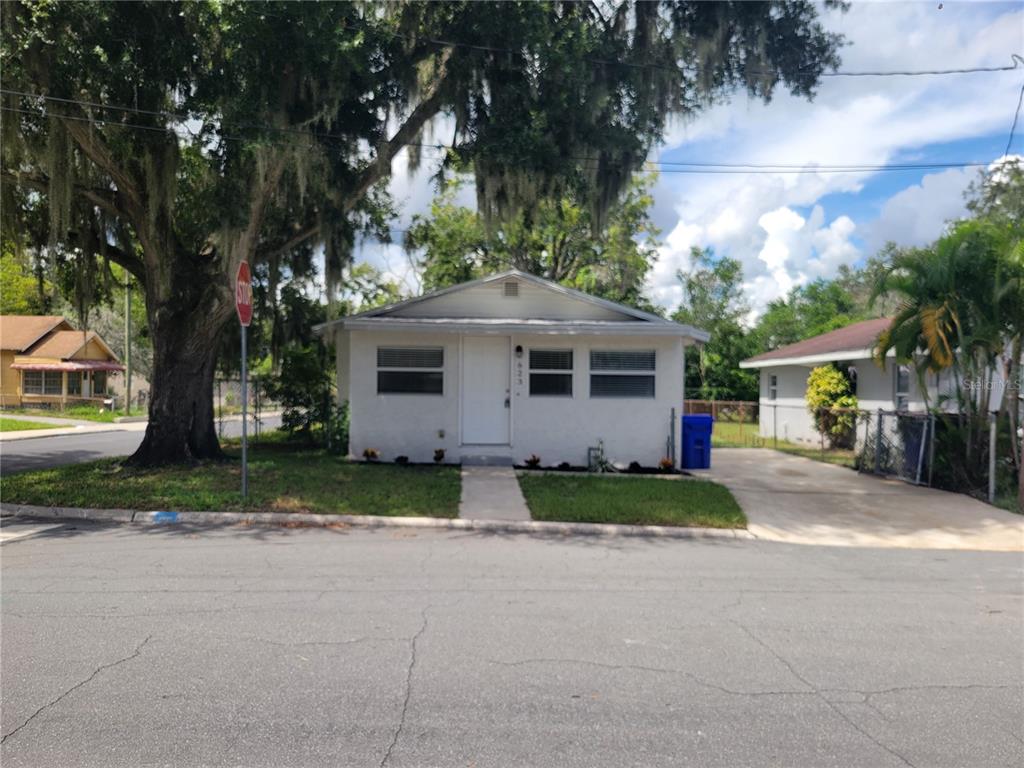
{"x":670,"y":167}
{"x":1013,"y":125}
{"x":1014,"y":58}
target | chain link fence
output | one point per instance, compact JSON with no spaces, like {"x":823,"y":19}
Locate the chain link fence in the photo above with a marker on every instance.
{"x":227,"y":402}
{"x":897,"y":444}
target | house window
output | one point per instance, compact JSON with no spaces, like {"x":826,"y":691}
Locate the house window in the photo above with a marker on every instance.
{"x":52,"y":383}
{"x":74,"y":383}
{"x":622,"y":373}
{"x":773,"y":386}
{"x":41,"y":382}
{"x":902,"y":385}
{"x":410,"y":370}
{"x":546,"y":377}
{"x":99,"y":383}
{"x":32,"y":382}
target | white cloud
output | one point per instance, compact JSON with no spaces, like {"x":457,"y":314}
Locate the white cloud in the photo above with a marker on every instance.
{"x":919,"y":213}
{"x":752,"y":217}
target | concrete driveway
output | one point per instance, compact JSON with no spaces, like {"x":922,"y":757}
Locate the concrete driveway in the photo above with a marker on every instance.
{"x":801,"y":501}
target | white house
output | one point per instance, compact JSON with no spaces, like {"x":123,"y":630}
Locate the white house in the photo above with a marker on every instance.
{"x":508,"y":366}
{"x":784,"y":372}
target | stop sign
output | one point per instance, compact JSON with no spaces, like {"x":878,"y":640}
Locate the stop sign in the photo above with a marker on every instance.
{"x":243,"y":294}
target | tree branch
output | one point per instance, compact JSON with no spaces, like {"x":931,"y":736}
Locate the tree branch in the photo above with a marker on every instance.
{"x":294,"y":241}
{"x":97,"y":150}
{"x":130,"y":262}
{"x":380,"y":167}
{"x":107,"y":199}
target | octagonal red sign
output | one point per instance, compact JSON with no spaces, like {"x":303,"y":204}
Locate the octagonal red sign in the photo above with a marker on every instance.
{"x":243,"y":294}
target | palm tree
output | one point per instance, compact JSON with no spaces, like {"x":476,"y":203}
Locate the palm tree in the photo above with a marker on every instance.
{"x":959,"y":306}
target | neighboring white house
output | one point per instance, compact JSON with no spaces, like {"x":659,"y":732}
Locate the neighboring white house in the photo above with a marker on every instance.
{"x":784,"y":372}
{"x":508,"y":366}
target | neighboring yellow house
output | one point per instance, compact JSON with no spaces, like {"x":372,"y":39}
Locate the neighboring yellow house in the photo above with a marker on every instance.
{"x":44,"y":361}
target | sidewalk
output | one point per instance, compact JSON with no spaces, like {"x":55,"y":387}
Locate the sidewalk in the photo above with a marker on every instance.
{"x":491,"y":493}
{"x":64,"y":427}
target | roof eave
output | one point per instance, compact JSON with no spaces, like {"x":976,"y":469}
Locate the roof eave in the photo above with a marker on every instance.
{"x":815,"y":359}
{"x":455,"y":325}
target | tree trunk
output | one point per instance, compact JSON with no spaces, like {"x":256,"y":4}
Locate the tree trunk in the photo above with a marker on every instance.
{"x":186,"y":315}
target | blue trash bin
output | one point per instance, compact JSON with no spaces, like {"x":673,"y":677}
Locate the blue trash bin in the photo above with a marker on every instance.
{"x":697,"y":441}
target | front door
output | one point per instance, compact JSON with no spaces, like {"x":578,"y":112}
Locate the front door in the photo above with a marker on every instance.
{"x":485,"y":390}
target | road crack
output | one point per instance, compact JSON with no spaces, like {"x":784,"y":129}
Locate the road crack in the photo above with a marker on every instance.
{"x":821,"y":695}
{"x":654,"y":670}
{"x":75,"y":687}
{"x":408,"y":688}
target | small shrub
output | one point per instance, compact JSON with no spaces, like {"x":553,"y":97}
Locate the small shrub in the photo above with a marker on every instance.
{"x":666,"y":464}
{"x":635,"y":467}
{"x":371,"y":454}
{"x":831,"y":404}
{"x":438,"y":455}
{"x":401,"y":459}
{"x":565,"y":466}
{"x":534,"y":461}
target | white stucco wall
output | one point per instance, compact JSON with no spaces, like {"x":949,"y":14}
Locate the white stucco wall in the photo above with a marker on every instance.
{"x":876,"y":389}
{"x":555,"y":428}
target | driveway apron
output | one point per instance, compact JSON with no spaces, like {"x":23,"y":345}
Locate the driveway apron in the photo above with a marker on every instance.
{"x":802,"y":501}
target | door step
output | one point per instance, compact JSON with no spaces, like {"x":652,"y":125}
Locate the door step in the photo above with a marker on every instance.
{"x":481,"y":460}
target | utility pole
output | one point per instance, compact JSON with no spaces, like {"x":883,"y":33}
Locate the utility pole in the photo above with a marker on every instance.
{"x":127,"y":344}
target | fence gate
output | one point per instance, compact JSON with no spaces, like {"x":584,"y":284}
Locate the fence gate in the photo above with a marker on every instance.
{"x":898,"y":444}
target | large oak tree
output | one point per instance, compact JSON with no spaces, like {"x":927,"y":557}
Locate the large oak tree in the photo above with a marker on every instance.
{"x":179,"y":139}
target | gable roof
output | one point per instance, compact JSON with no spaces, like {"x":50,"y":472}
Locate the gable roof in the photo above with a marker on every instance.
{"x":852,"y":342}
{"x":19,"y":332}
{"x":65,"y":344}
{"x":626,"y":319}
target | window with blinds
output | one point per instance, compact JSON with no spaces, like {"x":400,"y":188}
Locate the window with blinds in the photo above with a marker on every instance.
{"x":551,"y":373}
{"x":622,"y":373}
{"x":410,"y":370}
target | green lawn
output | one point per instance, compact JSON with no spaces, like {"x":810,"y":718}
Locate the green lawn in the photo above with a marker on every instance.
{"x":83,"y":412}
{"x":282,"y":478}
{"x":631,"y":501}
{"x":730,"y":434}
{"x":13,"y":425}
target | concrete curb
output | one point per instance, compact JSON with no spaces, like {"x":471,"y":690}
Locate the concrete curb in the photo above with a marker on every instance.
{"x":60,"y":432}
{"x":368,"y":521}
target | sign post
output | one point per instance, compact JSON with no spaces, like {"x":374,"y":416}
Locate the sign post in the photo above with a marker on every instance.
{"x":243,"y":305}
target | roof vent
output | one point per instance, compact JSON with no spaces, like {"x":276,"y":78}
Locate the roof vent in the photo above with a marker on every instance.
{"x":511,"y":289}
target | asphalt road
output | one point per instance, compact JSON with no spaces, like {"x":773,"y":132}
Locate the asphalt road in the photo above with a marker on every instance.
{"x":58,"y":450}
{"x":294,"y":647}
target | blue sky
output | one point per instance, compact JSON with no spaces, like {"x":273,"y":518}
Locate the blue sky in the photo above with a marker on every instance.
{"x":788,"y":229}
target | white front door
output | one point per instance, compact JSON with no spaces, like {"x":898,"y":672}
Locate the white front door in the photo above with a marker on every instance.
{"x":485,"y":390}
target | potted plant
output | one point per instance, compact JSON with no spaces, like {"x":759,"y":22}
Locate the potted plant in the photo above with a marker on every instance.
{"x":438,"y":455}
{"x":371,"y":454}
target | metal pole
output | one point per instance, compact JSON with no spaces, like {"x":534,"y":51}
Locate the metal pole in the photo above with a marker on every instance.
{"x":992,"y":458}
{"x":245,"y":412}
{"x":672,"y":435}
{"x":878,"y":443}
{"x":931,"y":447}
{"x":775,"y":426}
{"x":920,"y":452}
{"x":127,"y":345}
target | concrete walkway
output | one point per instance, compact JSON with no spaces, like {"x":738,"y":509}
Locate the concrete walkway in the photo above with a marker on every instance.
{"x":55,"y":420}
{"x":792,"y":499}
{"x":491,"y":493}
